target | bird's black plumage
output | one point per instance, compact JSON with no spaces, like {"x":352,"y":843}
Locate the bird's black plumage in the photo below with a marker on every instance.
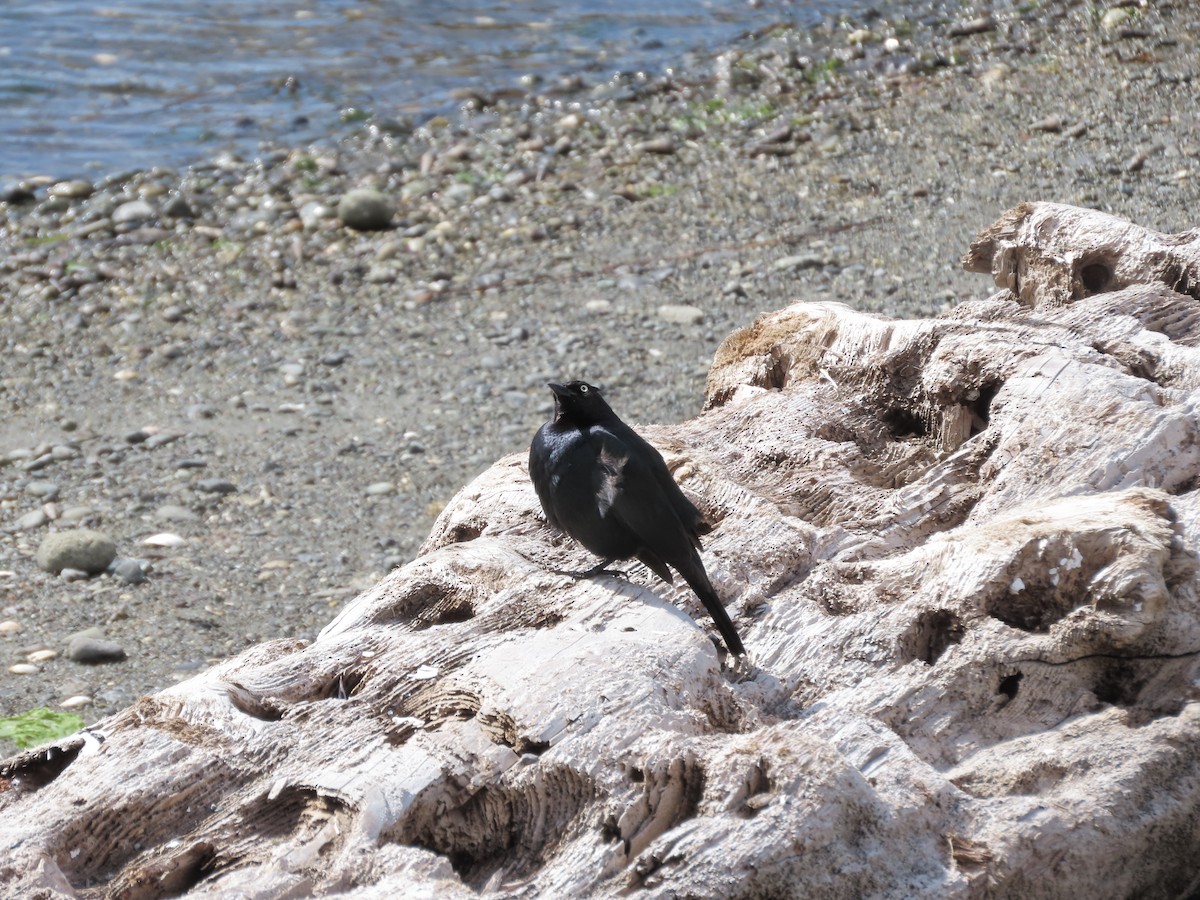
{"x":601,"y":483}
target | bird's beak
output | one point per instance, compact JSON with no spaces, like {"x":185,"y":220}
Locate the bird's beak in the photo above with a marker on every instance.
{"x":560,"y":390}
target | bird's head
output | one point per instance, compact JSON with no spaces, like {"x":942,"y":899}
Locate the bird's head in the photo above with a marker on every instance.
{"x":579,"y":402}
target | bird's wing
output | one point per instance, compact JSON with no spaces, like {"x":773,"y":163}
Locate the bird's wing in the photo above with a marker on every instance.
{"x":691,"y":517}
{"x":539,"y":457}
{"x":628,"y":489}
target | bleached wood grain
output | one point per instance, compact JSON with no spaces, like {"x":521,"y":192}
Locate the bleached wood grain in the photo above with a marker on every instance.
{"x":962,"y":553}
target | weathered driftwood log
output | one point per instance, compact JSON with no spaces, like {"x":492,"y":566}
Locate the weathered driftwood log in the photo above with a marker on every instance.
{"x":1050,"y":254}
{"x":962,"y":552}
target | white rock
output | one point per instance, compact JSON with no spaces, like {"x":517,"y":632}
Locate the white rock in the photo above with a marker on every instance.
{"x":681,"y":314}
{"x":164,"y":539}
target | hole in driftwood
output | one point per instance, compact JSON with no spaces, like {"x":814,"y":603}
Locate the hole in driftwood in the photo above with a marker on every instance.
{"x":434,"y":704}
{"x":1031,"y":608}
{"x":346,"y":683}
{"x":1178,"y":279}
{"x":252,"y":703}
{"x":1009,"y":685}
{"x":36,"y":768}
{"x":776,"y":375}
{"x":502,"y":729}
{"x":609,"y":829}
{"x":511,"y":828}
{"x":1147,"y":688}
{"x":1117,"y":683}
{"x":1095,"y":277}
{"x":981,"y":406}
{"x":758,"y":789}
{"x":528,"y":745}
{"x":429,"y":603}
{"x":903,"y":423}
{"x":172,"y":876}
{"x":445,"y":612}
{"x":463,"y":532}
{"x":671,"y":794}
{"x":931,"y":635}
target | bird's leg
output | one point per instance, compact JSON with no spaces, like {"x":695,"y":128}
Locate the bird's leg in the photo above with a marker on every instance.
{"x":601,"y":568}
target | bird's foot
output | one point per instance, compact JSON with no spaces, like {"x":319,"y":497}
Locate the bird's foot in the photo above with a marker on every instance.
{"x":600,"y":568}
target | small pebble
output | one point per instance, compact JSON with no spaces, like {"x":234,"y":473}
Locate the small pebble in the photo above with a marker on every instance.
{"x":170,"y":512}
{"x":1115,"y":17}
{"x":379,"y":488}
{"x":380,"y":275}
{"x":1052,"y":124}
{"x":164,"y":539}
{"x":133,"y":211}
{"x":200,"y":411}
{"x":215,"y":486}
{"x":967,"y":27}
{"x":31,"y":520}
{"x":365,"y":210}
{"x":76,"y":701}
{"x":177,"y":207}
{"x":23,"y":669}
{"x":73,"y":515}
{"x":74,"y":190}
{"x":93,"y":651}
{"x":659,"y":145}
{"x":162,"y":439}
{"x":38,"y":656}
{"x":130,"y":571}
{"x":681,"y":314}
{"x":799,"y":261}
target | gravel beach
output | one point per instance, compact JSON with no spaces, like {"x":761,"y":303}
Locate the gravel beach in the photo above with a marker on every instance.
{"x":263,"y":409}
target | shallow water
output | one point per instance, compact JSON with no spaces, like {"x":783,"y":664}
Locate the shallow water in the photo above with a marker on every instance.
{"x":87,"y":86}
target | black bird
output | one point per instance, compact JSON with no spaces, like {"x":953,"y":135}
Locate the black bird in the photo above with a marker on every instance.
{"x":601,"y":483}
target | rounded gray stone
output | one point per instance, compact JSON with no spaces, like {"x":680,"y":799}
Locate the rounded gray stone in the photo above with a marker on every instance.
{"x":73,"y":515}
{"x":171,"y":512}
{"x":215,"y":486}
{"x":365,"y":209}
{"x":91,"y":651}
{"x":681,"y":314}
{"x":46,"y":490}
{"x":129,"y":570}
{"x":31,"y":520}
{"x":77,"y":189}
{"x":80,"y":548}
{"x":133,"y":211}
{"x":177,"y":207}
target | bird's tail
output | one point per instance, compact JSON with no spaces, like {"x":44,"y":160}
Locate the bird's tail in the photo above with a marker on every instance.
{"x":697,"y":580}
